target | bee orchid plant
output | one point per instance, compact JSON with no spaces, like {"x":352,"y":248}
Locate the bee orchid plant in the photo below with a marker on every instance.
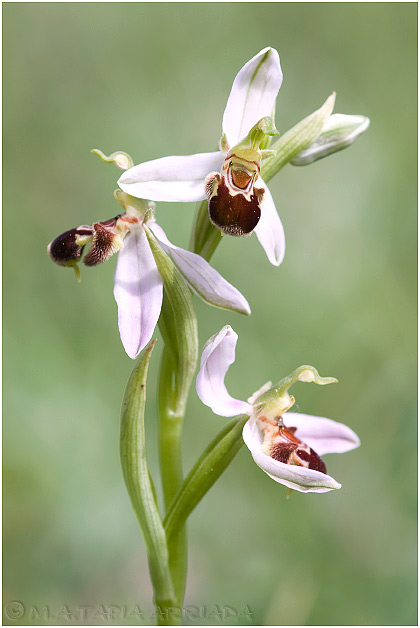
{"x":154,"y":284}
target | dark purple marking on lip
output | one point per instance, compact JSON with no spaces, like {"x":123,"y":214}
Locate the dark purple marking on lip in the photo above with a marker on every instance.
{"x":288,"y":449}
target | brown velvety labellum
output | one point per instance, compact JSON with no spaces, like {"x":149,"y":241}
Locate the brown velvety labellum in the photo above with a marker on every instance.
{"x":287,"y":448}
{"x":311,"y":459}
{"x":64,"y":248}
{"x":101,"y":249}
{"x":234,"y":214}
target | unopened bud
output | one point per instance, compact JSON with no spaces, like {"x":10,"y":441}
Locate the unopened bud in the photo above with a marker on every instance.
{"x":339,"y":131}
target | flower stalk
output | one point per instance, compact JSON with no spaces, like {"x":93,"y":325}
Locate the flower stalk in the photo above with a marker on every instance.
{"x":210,"y":465}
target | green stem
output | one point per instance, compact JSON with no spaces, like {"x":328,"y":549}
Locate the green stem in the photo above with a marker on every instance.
{"x":205,"y":237}
{"x":208,"y":468}
{"x":170,"y":455}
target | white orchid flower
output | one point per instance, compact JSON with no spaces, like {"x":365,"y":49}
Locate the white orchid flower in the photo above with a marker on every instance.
{"x":138,"y":287}
{"x":286,"y":445}
{"x":229,"y":176}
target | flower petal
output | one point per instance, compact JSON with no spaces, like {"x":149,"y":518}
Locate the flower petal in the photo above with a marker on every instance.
{"x":218,"y":354}
{"x":325,"y":436}
{"x":269,"y":229}
{"x":292,"y":476}
{"x":253,"y":95}
{"x":178,"y":178}
{"x":138,"y":292}
{"x":202,"y":278}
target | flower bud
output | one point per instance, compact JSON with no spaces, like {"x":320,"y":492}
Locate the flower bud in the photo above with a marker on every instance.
{"x":339,"y":131}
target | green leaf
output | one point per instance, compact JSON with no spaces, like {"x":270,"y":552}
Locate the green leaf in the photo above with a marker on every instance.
{"x":137,"y":478}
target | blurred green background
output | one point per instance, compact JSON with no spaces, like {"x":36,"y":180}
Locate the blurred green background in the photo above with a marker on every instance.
{"x":153,"y":80}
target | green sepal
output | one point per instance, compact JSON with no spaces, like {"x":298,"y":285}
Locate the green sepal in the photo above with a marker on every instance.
{"x":137,"y":477}
{"x":208,"y":468}
{"x":297,"y":139}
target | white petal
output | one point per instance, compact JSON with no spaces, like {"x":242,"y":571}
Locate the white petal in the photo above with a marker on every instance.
{"x":178,"y":178}
{"x":253,"y":95}
{"x":138,"y":292}
{"x":269,"y":229}
{"x":202,"y":278}
{"x":218,"y":354}
{"x":325,"y":436}
{"x":292,"y":476}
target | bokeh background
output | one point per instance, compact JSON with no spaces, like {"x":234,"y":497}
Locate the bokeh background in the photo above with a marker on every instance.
{"x":153,"y":79}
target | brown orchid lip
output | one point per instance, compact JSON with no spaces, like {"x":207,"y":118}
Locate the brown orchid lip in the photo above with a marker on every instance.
{"x":234,"y":214}
{"x":240,"y":178}
{"x":102,"y":244}
{"x":64,"y":249}
{"x":286,"y":447}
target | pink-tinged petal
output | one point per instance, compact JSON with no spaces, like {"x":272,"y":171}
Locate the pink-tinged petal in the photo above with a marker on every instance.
{"x":253,"y":95}
{"x":292,"y":476}
{"x":138,"y":292}
{"x":269,"y":229}
{"x":178,"y":178}
{"x":218,"y":354}
{"x":325,"y":436}
{"x":206,"y":282}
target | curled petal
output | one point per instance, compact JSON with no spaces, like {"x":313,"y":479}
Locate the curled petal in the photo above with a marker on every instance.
{"x":269,"y":229}
{"x":294,"y":477}
{"x":325,"y":436}
{"x":253,"y":95}
{"x":218,"y":354}
{"x":138,"y":292}
{"x":178,"y":178}
{"x":202,"y":278}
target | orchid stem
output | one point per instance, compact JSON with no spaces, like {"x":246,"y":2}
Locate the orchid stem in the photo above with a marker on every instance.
{"x":170,"y":437}
{"x":209,"y":467}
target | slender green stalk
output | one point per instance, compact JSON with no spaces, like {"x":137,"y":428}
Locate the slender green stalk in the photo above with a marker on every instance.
{"x":170,"y":455}
{"x":205,"y":237}
{"x":208,"y":468}
{"x":138,"y":482}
